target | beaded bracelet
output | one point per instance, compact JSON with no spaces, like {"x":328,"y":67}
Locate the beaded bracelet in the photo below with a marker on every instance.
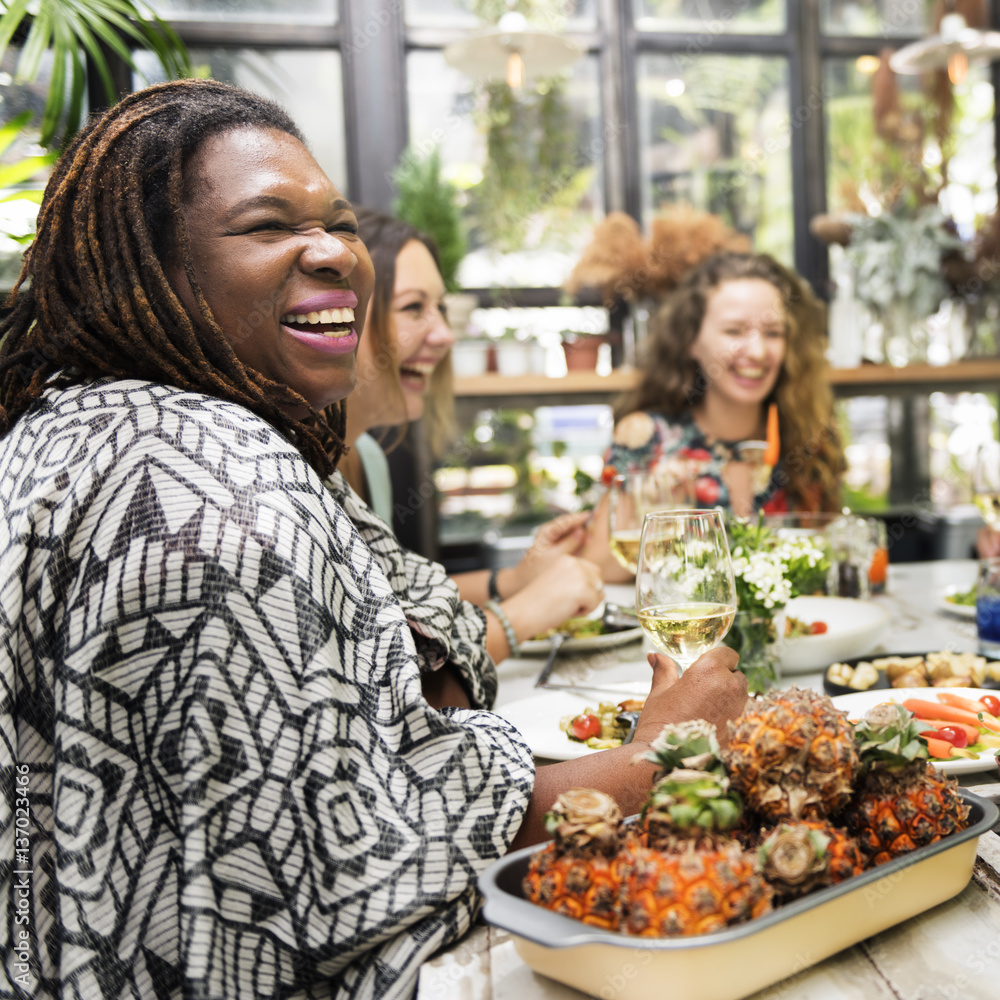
{"x":492,"y":586}
{"x":508,"y":629}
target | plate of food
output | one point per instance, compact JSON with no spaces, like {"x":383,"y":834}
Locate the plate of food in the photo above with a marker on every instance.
{"x":959,"y":601}
{"x":822,"y":630}
{"x":951,"y":718}
{"x":546,"y":719}
{"x":942,"y":668}
{"x":586,"y":633}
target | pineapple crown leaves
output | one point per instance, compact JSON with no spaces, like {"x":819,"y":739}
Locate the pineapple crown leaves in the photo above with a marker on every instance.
{"x":793,"y":854}
{"x":585,"y":817}
{"x":693,"y":745}
{"x":889,"y":734}
{"x":694,"y":800}
{"x":816,"y":840}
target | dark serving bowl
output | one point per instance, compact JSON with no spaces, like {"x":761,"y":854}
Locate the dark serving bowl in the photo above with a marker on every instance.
{"x":882,"y":684}
{"x":740,"y":960}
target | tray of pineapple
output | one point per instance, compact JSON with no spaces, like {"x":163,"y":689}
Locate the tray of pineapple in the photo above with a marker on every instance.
{"x":763,"y":857}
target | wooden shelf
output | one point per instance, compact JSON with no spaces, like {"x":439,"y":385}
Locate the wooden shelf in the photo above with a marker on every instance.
{"x":541,"y":385}
{"x":884,"y":379}
{"x":860,"y":381}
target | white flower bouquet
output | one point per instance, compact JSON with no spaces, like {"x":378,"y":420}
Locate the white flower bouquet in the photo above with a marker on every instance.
{"x":769,"y":572}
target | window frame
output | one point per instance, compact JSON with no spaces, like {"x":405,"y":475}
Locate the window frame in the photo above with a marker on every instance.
{"x":375,"y":111}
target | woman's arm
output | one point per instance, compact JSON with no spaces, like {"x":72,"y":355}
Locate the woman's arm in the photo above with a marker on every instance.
{"x":563,"y":535}
{"x":568,"y":587}
{"x":712,"y":688}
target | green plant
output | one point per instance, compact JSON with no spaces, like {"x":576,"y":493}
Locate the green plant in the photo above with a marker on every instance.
{"x":426,"y":200}
{"x":535,"y":174}
{"x":77,"y":31}
{"x":22,"y":170}
{"x":896,"y":257}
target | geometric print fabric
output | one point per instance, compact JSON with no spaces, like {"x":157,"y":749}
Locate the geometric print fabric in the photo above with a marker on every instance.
{"x":210,"y":674}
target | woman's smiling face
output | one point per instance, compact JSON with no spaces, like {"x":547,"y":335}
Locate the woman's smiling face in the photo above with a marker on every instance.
{"x":420,"y":338}
{"x":741,"y":344}
{"x":276,"y":253}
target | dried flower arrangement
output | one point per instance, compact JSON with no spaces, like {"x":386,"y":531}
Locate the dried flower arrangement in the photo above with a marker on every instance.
{"x":621,"y":264}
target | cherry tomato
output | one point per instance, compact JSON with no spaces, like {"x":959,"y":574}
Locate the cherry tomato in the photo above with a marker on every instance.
{"x":992,"y":703}
{"x":584,"y":726}
{"x":818,"y":628}
{"x":607,"y":474}
{"x":956,"y":737}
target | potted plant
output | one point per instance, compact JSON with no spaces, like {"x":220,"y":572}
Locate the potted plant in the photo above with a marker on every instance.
{"x":581,"y":350}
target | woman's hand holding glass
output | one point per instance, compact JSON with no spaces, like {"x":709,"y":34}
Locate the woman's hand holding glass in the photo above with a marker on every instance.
{"x":684,"y":587}
{"x":630,"y":498}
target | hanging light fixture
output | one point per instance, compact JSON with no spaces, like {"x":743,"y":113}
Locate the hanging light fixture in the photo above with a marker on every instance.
{"x":513,"y":51}
{"x":953,"y":47}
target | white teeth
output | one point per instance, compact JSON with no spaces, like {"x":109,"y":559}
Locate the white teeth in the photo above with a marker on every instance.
{"x":418,"y":368}
{"x":324,"y":316}
{"x":750,"y":372}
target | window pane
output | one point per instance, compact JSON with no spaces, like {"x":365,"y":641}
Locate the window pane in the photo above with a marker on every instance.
{"x":715,"y":132}
{"x":864,"y":429}
{"x":553,"y":14}
{"x":17,"y":215}
{"x":711,"y":17}
{"x":868,"y":172}
{"x":250,"y":11}
{"x":318,"y":109}
{"x":531,"y":201}
{"x":884,"y":18}
{"x":960,"y":424}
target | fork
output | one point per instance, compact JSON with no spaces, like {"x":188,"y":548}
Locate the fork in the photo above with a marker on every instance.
{"x":543,"y":675}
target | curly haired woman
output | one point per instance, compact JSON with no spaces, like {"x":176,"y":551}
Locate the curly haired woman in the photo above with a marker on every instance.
{"x":740,"y":341}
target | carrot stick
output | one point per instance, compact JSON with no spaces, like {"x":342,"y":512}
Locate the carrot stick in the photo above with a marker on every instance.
{"x":937,"y":748}
{"x":957,"y":701}
{"x":773,"y":450}
{"x":988,"y":722}
{"x":935,"y":710}
{"x":970,"y":732}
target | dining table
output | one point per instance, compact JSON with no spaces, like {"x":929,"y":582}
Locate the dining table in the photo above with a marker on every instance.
{"x":949,"y":952}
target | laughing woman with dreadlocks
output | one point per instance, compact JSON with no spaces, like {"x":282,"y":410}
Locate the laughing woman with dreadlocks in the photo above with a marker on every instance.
{"x":210,"y":654}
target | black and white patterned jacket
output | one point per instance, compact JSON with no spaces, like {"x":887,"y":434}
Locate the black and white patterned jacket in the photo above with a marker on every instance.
{"x":210,"y":705}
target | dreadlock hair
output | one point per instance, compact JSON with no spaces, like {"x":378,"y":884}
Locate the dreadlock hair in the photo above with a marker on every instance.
{"x":93,"y":299}
{"x":384,"y":236}
{"x":673,"y":382}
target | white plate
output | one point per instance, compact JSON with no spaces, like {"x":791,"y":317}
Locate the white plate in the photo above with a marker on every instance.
{"x":962,"y":610}
{"x":538,"y":716}
{"x":857,"y":704}
{"x":584,"y":644}
{"x":853,"y":629}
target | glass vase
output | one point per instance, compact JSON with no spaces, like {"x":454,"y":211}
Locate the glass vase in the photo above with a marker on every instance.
{"x":904,"y":334}
{"x":756,"y":638}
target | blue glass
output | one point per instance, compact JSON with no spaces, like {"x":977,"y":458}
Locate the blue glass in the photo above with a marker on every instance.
{"x":988,"y":623}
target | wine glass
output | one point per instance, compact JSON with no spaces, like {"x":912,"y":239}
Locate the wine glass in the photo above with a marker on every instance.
{"x":986,"y":482}
{"x":685,"y":593}
{"x":630,"y":498}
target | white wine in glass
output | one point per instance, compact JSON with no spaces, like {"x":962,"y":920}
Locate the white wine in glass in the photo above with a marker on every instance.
{"x":630,"y":498}
{"x":986,"y":482}
{"x":685,"y":593}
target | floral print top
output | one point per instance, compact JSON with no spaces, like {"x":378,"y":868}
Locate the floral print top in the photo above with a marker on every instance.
{"x":680,"y":448}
